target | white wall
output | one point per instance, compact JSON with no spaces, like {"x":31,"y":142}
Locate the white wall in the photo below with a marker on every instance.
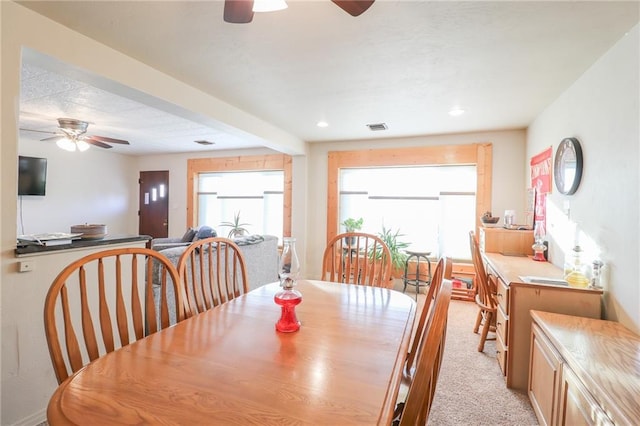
{"x":94,"y":186}
{"x":601,"y":109}
{"x":508,"y":185}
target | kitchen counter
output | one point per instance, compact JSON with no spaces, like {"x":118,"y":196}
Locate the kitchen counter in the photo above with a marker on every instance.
{"x":35,"y":249}
{"x":516,"y":298}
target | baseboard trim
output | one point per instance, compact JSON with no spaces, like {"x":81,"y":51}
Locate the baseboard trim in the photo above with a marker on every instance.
{"x":35,"y":419}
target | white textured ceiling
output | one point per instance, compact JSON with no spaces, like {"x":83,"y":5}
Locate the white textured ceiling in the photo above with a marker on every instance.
{"x":46,"y":95}
{"x":404,"y":63}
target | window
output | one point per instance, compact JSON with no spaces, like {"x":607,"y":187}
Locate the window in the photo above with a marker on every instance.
{"x":440,"y":189}
{"x":429,"y":205}
{"x":259,"y":187}
{"x":256,"y":196}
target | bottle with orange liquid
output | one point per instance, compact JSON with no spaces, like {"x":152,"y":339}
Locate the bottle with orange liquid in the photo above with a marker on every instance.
{"x":575,"y":271}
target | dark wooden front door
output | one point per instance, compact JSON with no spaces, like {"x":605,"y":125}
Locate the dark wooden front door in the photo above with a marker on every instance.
{"x":154,"y":204}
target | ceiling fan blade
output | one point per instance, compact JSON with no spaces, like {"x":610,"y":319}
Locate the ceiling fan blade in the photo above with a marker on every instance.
{"x":39,"y":131}
{"x":97,"y":143}
{"x":238,"y":11}
{"x":105,"y":139}
{"x":53,"y":138}
{"x":354,"y":7}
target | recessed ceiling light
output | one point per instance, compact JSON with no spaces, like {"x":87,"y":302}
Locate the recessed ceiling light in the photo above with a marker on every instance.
{"x":456,"y":112}
{"x":322,"y":124}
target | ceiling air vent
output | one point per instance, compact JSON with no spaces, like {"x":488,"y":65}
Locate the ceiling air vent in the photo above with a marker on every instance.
{"x":203,"y":142}
{"x":377,"y":126}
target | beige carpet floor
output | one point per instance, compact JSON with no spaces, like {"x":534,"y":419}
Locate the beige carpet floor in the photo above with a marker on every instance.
{"x":471,"y":389}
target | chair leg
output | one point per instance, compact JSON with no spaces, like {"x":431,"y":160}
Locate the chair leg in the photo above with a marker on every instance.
{"x":485,"y":330}
{"x":478,"y":321}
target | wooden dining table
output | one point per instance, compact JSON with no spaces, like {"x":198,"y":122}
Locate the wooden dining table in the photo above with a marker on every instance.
{"x":229,"y":365}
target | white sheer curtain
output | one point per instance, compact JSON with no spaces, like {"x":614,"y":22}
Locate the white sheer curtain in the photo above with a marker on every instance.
{"x":256,"y":196}
{"x":432,"y":206}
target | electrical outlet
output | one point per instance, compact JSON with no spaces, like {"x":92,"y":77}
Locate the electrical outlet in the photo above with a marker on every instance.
{"x":25,"y":266}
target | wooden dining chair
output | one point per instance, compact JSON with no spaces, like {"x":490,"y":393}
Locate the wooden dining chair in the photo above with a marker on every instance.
{"x":448,"y":269}
{"x":426,"y":314}
{"x":357,"y":258}
{"x":103,"y":291}
{"x":416,"y":407}
{"x":485,"y":296}
{"x":212,"y":271}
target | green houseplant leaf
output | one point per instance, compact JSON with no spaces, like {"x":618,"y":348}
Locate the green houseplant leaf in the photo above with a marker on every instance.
{"x":396,"y":247}
{"x":352,"y":225}
{"x":237,"y":229}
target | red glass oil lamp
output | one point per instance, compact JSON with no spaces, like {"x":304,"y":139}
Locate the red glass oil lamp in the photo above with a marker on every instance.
{"x":539,"y":247}
{"x":288,"y":298}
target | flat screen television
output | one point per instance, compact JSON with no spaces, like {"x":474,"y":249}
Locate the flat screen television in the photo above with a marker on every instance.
{"x":32,"y":175}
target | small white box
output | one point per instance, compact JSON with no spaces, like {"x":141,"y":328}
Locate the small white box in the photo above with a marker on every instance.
{"x":25,"y":266}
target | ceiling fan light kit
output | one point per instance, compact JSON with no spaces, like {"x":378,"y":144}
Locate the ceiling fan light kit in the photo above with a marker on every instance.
{"x":73,"y":126}
{"x":241,"y":11}
{"x":82,"y":145}
{"x":70,"y":145}
{"x":71,"y":136}
{"x":268,"y":5}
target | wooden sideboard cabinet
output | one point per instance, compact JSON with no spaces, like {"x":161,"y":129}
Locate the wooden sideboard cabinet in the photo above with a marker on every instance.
{"x":544,"y":377}
{"x":583,"y":371}
{"x":516,"y":298}
{"x":505,"y":241}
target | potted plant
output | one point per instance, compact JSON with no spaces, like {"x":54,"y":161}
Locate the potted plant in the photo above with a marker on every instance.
{"x":396,"y":247}
{"x":352,"y":225}
{"x":237,"y":229}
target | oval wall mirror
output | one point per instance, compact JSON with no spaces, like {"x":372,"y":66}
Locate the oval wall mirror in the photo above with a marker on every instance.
{"x":567,"y":166}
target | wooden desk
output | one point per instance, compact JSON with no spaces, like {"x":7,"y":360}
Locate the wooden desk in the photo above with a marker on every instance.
{"x":516,"y":298}
{"x":229,"y":365}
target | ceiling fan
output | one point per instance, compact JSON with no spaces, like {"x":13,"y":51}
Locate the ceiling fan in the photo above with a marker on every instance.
{"x":71,"y":136}
{"x":241,"y":11}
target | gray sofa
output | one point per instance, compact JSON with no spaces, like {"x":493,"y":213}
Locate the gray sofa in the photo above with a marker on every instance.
{"x":192,"y":234}
{"x":261,"y":259}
